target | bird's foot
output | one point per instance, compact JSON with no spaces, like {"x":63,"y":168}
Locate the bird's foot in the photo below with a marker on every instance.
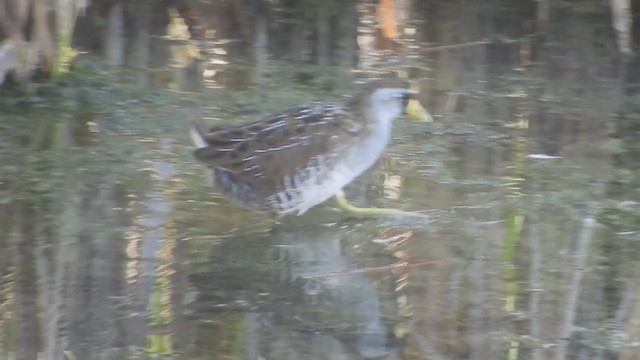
{"x":345,"y":206}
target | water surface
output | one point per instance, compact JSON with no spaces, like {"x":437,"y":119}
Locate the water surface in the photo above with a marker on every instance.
{"x":114,"y":242}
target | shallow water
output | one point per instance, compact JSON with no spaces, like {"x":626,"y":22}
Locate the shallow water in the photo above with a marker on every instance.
{"x":115,"y":245}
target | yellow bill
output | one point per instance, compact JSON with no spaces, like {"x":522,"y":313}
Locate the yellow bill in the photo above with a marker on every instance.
{"x":415,"y":110}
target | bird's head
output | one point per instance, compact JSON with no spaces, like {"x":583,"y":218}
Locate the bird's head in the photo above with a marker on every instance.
{"x":388,"y":99}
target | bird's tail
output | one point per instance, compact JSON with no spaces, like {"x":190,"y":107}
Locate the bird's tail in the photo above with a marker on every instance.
{"x":196,"y":133}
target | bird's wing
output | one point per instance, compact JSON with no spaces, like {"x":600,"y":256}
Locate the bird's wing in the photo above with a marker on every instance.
{"x":288,"y":141}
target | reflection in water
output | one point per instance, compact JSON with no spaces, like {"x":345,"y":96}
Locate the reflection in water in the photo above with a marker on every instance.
{"x":143,"y":269}
{"x":111,"y":247}
{"x":353,"y":296}
{"x":147,"y":264}
{"x":309,"y":300}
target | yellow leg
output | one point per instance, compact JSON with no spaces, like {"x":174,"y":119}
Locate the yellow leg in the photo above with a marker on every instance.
{"x":345,"y":206}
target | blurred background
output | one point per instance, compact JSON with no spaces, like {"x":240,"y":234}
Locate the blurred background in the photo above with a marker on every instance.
{"x":113,"y":244}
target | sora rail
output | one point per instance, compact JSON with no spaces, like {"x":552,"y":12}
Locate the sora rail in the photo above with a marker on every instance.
{"x":295,"y":159}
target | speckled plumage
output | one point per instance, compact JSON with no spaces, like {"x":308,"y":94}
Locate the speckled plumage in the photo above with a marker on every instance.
{"x":295,"y":159}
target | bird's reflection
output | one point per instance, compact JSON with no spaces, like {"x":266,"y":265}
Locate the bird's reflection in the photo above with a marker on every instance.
{"x":301,"y":289}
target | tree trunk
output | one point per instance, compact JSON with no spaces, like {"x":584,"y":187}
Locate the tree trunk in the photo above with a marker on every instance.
{"x":107,"y":272}
{"x":143,"y":47}
{"x":297,"y":37}
{"x":535,"y":280}
{"x":260,"y":42}
{"x":347,"y":34}
{"x":80,"y":254}
{"x":323,"y":40}
{"x":478,"y":301}
{"x":628,"y":314}
{"x":388,"y":22}
{"x":7,"y":57}
{"x":580,"y":256}
{"x":622,"y":20}
{"x":5,"y":263}
{"x":474,"y":63}
{"x":366,"y":36}
{"x":115,"y":44}
{"x":26,"y":294}
{"x":16,"y":53}
{"x":44,"y":35}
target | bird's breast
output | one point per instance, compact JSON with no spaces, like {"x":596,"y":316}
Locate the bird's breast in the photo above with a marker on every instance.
{"x":325,"y":175}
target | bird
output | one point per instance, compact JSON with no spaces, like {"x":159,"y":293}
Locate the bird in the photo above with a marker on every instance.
{"x":300,"y":157}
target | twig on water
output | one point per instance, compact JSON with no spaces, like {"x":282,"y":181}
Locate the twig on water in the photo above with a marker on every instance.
{"x":381,"y":268}
{"x":470,"y":43}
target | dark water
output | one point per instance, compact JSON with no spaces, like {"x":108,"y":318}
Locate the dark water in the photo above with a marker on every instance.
{"x":115,"y":246}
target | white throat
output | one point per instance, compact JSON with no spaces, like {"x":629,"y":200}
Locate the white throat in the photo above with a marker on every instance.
{"x":385,"y":106}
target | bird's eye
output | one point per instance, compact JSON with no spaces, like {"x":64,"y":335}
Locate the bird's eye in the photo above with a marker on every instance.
{"x":405,"y":97}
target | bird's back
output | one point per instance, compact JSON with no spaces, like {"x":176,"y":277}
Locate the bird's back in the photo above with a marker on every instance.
{"x":284,"y":163}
